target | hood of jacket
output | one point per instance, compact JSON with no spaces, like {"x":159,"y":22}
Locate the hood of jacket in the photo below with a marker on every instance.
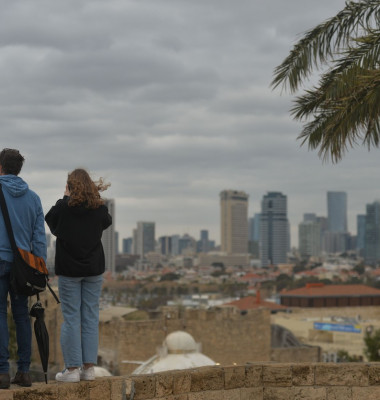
{"x":14,"y":185}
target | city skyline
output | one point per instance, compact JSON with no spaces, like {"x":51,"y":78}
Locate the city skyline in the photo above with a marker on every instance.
{"x":196,"y":234}
{"x":171,"y":103}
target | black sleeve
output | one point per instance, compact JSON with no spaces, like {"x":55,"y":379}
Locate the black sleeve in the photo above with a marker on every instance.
{"x":52,"y":217}
{"x":107,"y":221}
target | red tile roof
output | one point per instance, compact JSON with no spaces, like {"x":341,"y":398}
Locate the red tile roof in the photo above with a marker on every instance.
{"x":319,"y":289}
{"x":250,"y":302}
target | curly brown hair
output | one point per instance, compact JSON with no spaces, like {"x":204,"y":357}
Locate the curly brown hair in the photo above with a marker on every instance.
{"x":83,"y":190}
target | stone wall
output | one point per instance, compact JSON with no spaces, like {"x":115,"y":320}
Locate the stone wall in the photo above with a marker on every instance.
{"x":296,"y":354}
{"x":355,"y":381}
{"x":226,"y":336}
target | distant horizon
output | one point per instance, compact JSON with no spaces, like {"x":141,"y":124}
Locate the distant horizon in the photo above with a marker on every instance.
{"x":196,"y":235}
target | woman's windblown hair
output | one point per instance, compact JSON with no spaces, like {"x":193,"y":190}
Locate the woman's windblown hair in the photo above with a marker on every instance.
{"x":83,"y":190}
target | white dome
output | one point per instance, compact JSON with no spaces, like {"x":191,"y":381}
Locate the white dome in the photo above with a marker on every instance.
{"x":179,"y":351}
{"x":180,"y":342}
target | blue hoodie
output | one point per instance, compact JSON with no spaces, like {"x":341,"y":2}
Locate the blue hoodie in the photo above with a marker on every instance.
{"x":27,"y":218}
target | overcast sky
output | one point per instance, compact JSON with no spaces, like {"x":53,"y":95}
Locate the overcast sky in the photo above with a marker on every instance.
{"x":170,"y":101}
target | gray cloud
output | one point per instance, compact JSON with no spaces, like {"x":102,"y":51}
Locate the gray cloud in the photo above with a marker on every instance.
{"x":170,"y":101}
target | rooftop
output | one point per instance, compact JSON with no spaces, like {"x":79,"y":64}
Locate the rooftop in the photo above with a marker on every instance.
{"x":319,"y":289}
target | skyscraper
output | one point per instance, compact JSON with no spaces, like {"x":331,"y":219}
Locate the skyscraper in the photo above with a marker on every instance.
{"x":145,"y":238}
{"x":165,"y":245}
{"x":127,"y":245}
{"x":309,"y":238}
{"x":108,"y":238}
{"x":204,"y":244}
{"x":274,"y":229}
{"x":337,"y":212}
{"x":360,"y":229}
{"x":117,"y":242}
{"x":234,"y":221}
{"x":372,"y":233}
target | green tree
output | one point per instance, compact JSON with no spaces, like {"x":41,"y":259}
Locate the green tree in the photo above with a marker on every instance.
{"x":342,"y":110}
{"x":372,"y":345}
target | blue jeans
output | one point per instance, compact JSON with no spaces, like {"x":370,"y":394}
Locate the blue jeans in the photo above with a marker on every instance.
{"x":80,"y":329}
{"x":20,"y":312}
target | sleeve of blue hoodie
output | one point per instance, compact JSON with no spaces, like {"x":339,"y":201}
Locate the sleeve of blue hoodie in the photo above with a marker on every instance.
{"x":27,"y":218}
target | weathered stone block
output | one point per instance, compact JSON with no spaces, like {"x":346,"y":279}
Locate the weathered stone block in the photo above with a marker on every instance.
{"x":207,"y":378}
{"x":172,"y":397}
{"x":278,"y":393}
{"x":366,"y":393}
{"x":117,"y":387}
{"x":234,"y":377}
{"x":164,"y":384}
{"x":207,"y":395}
{"x":309,"y":393}
{"x":73,"y":391}
{"x":36,"y":392}
{"x":374,"y":374}
{"x":347,"y":374}
{"x":233,"y":394}
{"x":252,"y":393}
{"x":253,"y":375}
{"x":277,"y":375}
{"x":303,"y":375}
{"x":99,"y":389}
{"x":339,"y":393}
{"x":181,"y":382}
{"x":145,"y":386}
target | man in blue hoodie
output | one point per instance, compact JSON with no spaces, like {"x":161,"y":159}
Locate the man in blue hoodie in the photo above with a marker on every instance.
{"x":27,"y":219}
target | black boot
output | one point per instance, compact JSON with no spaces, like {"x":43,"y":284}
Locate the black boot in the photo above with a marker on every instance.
{"x":22,"y":379}
{"x":5,"y":381}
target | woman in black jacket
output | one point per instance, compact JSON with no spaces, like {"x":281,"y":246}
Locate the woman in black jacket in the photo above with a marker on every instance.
{"x":78,"y":221}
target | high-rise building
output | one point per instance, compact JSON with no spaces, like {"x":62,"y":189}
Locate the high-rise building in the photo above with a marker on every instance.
{"x":372,"y":234}
{"x":309,"y":238}
{"x":108,"y":238}
{"x":165,"y":243}
{"x":274,"y":229}
{"x":145,"y":238}
{"x":234,"y":221}
{"x":309,"y":217}
{"x":335,"y":242}
{"x":360,"y":229}
{"x":337,"y":212}
{"x":175,"y":245}
{"x":254,"y":236}
{"x":187,"y":243}
{"x":117,"y":242}
{"x":204,"y":244}
{"x":127,"y":246}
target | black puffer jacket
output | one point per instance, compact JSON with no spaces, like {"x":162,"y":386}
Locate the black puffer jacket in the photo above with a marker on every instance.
{"x":79,"y":250}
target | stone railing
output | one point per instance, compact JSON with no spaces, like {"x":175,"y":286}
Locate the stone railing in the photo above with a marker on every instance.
{"x":269,"y":381}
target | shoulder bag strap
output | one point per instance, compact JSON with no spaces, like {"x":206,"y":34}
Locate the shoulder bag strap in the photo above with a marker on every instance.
{"x":7,"y":221}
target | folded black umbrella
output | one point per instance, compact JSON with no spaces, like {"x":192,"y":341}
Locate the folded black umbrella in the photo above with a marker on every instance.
{"x":41,"y":333}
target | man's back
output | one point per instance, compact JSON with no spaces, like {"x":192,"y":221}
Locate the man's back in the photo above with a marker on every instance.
{"x":27,"y":219}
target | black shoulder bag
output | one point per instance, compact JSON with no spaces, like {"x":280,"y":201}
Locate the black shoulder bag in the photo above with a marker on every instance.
{"x":29,"y":275}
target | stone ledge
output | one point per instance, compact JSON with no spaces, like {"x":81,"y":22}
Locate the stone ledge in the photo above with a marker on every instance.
{"x":261,"y":381}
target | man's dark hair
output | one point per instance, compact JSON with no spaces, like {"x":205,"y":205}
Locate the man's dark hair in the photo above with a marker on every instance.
{"x":11,"y":161}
